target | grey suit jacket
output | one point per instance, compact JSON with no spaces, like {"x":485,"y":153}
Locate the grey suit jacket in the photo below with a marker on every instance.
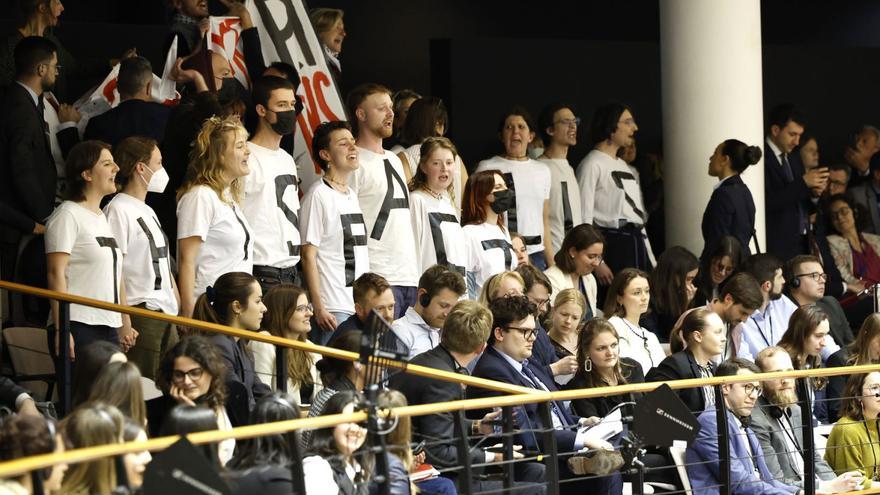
{"x":864,"y":196}
{"x":773,"y":443}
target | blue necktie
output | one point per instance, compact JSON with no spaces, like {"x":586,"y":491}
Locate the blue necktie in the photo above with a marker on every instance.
{"x":554,"y":407}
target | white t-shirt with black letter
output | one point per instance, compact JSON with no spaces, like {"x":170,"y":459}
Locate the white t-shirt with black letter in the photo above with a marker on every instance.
{"x":227,"y":242}
{"x":439,"y":235}
{"x":381,"y":190}
{"x":271,"y":205}
{"x":333,"y":223}
{"x":565,"y":200}
{"x":530,"y":182}
{"x":146,"y":261}
{"x":490,"y":252}
{"x":94,"y":268}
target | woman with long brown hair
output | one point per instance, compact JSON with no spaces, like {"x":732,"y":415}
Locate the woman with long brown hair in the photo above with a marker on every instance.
{"x":288,"y":315}
{"x":486,"y":198}
{"x":90,"y":426}
{"x":865,"y":349}
{"x":804,"y":341}
{"x":601,"y":365}
{"x":628,"y":298}
{"x":119,"y":385}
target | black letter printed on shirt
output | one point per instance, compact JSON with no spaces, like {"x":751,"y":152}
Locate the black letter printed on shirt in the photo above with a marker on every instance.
{"x":390,"y":202}
{"x":156,"y":253}
{"x":436,"y":219}
{"x":620,"y":176}
{"x":503,"y":245}
{"x":110,"y":242}
{"x":349,"y":241}
{"x":282,"y":182}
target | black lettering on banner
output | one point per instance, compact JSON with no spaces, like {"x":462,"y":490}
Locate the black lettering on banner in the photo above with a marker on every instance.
{"x":436,"y":219}
{"x":619,"y":176}
{"x":294,"y":27}
{"x":110,"y":242}
{"x":567,"y":222}
{"x":504,"y":246}
{"x":349,"y":241}
{"x":156,"y":253}
{"x":511,"y":213}
{"x":390,"y":202}
{"x":282,"y":182}
{"x":247,"y":234}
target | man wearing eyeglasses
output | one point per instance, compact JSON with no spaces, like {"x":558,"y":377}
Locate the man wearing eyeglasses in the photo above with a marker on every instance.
{"x":776,"y":421}
{"x":749,"y":474}
{"x":507,"y":360}
{"x":271,"y":190}
{"x":807,"y":284}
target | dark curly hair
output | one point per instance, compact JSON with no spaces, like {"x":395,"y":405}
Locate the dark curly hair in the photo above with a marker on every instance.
{"x":202,"y":351}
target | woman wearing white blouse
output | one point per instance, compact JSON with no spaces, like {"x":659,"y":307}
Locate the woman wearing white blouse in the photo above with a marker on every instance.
{"x":82,"y":255}
{"x":288,"y":315}
{"x":627,"y":300}
{"x":213,"y":234}
{"x":146,"y":262}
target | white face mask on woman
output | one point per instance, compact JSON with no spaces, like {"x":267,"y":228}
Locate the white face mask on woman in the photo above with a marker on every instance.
{"x":158,"y":181}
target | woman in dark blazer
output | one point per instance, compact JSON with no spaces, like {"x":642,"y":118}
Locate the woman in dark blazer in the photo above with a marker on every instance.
{"x":731,"y":209}
{"x":704,"y":333}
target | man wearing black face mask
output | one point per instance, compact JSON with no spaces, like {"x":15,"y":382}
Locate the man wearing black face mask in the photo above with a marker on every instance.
{"x":271,"y":201}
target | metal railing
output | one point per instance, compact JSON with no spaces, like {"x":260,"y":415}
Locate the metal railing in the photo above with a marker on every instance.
{"x":518,"y":396}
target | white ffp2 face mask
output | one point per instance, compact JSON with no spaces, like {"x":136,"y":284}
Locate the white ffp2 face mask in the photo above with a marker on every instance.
{"x":158,"y":181}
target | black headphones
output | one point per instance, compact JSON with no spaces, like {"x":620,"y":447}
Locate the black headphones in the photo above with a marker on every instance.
{"x":425,"y":300}
{"x":777,"y":412}
{"x":791,"y":279}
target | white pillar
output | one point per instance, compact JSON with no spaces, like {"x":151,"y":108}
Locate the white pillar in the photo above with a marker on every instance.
{"x":710,"y":65}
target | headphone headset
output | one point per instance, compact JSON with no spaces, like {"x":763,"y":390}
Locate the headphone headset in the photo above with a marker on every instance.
{"x":791,"y":279}
{"x":425,"y":300}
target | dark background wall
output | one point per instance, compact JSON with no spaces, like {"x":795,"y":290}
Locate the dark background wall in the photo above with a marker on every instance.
{"x":482,"y":57}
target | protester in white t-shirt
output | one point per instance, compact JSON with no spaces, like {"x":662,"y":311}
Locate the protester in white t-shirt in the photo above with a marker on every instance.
{"x":428,"y":118}
{"x":82,"y":255}
{"x":213,"y":234}
{"x":146,"y":261}
{"x":626,"y":302}
{"x":334,"y":235}
{"x":558,"y":127}
{"x":486,"y":197}
{"x":271,"y":190}
{"x":611,"y":197}
{"x":530,"y":182}
{"x":439,"y":237}
{"x":381,"y":189}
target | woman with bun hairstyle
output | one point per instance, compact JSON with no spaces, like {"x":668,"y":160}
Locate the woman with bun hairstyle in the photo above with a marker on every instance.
{"x":731,"y":209}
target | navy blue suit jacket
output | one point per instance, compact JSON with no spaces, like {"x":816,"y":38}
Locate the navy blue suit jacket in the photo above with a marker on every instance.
{"x":703,"y":467}
{"x":730,"y":211}
{"x":493,"y":366}
{"x":130,"y":118}
{"x":781,"y":205}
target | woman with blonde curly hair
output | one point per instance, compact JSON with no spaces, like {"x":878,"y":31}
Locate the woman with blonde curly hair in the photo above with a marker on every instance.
{"x":213,"y":234}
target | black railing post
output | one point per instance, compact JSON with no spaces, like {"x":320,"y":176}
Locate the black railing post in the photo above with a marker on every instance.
{"x":463,"y":447}
{"x":64,"y":352}
{"x":296,"y":468}
{"x":507,"y":441}
{"x":551,"y":456}
{"x":803,"y":390}
{"x":723,"y":441}
{"x":280,"y":369}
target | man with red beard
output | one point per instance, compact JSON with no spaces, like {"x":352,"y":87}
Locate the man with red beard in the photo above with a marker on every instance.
{"x":379,"y":183}
{"x":776,"y":421}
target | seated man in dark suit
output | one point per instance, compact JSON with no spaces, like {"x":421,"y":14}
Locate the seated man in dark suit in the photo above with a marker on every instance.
{"x":462,"y":340}
{"x":807,"y":283}
{"x":506,"y":360}
{"x":137,"y":114}
{"x":776,"y":421}
{"x":16,"y":398}
{"x":370,"y":291}
{"x":749,"y":474}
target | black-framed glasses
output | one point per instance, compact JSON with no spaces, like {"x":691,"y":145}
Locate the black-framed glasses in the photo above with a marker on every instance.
{"x":194,"y":374}
{"x":751,"y":388}
{"x":527,"y":333}
{"x":569,"y":122}
{"x":305,"y":308}
{"x":816,"y":276}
